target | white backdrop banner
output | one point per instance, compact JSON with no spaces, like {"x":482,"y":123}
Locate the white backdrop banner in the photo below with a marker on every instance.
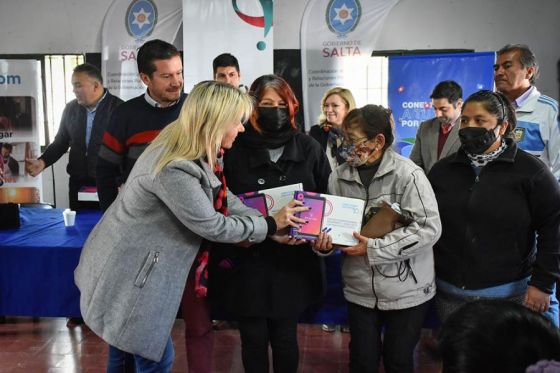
{"x":127,"y":25}
{"x":337,"y":39}
{"x":240,"y":27}
{"x":21,"y":119}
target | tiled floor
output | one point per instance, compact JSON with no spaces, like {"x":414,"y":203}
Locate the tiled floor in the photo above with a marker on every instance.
{"x":48,"y":345}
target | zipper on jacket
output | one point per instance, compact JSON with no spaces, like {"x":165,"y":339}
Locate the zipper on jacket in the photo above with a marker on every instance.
{"x":150,"y":268}
{"x":468,"y":232}
{"x":366,"y":258}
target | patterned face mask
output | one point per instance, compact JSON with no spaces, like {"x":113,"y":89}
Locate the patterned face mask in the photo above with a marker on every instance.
{"x":356,"y":152}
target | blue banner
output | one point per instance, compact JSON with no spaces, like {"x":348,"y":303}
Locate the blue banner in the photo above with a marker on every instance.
{"x":412,"y":79}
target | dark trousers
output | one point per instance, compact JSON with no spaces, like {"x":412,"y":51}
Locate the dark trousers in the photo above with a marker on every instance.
{"x":74,"y":186}
{"x":199,"y":336}
{"x":256,"y":334}
{"x":401,"y":331}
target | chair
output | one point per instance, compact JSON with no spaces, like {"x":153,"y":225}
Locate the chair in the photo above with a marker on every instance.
{"x":37,"y":205}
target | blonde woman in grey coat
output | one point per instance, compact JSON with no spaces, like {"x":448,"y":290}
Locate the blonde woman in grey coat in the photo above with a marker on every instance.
{"x":388,"y":280}
{"x":134,"y":265}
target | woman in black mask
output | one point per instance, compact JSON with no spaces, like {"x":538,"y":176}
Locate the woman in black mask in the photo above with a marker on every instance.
{"x":495,"y":202}
{"x":270,"y":284}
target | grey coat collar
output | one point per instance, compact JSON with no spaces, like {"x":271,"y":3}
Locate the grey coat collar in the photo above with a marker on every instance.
{"x":213,"y":181}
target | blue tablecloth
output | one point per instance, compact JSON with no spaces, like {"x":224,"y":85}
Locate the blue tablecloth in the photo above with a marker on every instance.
{"x":37,"y":263}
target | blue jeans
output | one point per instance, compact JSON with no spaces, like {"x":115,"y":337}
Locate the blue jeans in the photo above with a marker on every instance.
{"x":163,"y":366}
{"x":552,"y":312}
{"x":120,"y":361}
{"x":143,"y":365}
{"x":447,"y":303}
{"x":401,"y":329}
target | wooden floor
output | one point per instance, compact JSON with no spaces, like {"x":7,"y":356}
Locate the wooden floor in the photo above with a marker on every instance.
{"x":48,"y":345}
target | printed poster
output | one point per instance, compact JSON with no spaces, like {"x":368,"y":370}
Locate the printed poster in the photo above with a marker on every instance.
{"x":21,"y":118}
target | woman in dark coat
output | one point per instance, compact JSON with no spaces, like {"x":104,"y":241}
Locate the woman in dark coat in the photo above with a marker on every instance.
{"x":500,"y":212}
{"x":271,"y":283}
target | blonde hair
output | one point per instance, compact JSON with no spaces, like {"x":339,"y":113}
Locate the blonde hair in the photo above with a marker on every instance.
{"x":207,"y":114}
{"x":346,"y":96}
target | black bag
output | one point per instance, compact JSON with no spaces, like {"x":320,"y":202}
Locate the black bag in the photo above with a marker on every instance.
{"x":221,"y":267}
{"x":9,"y":215}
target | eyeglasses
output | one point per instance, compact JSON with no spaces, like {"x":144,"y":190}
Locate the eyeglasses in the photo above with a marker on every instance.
{"x":350,"y":141}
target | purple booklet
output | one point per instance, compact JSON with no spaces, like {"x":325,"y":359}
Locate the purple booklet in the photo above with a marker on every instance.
{"x":314,"y":216}
{"x":255,"y":200}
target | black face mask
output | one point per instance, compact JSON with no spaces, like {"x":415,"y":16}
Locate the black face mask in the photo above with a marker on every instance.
{"x":477,"y":140}
{"x":273,"y":119}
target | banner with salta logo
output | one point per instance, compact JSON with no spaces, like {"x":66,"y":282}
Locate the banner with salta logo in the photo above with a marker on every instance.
{"x":240,"y":27}
{"x":337,"y":38}
{"x":128,"y":24}
{"x":412,"y":79}
{"x":21,"y":119}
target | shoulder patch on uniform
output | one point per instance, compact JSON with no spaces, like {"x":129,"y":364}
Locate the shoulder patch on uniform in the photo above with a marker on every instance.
{"x":518,"y":134}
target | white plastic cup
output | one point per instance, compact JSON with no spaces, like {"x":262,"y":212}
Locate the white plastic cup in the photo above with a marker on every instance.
{"x":69,"y":217}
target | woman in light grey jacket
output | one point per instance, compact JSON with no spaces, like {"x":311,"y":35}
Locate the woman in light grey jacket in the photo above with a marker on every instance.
{"x":388,"y":280}
{"x":134,"y":265}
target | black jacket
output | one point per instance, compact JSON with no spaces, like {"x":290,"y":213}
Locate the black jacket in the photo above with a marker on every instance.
{"x":490,"y":222}
{"x":319,"y":134}
{"x":133,"y":126}
{"x":269,"y":279}
{"x":72,"y":133}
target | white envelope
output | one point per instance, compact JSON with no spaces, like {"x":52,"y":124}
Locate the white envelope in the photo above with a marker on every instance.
{"x":343,"y":216}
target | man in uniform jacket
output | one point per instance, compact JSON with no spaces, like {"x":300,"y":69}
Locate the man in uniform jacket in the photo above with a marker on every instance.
{"x":537,"y":131}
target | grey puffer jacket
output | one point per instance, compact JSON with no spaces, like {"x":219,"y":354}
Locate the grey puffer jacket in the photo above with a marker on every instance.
{"x":398,"y":270}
